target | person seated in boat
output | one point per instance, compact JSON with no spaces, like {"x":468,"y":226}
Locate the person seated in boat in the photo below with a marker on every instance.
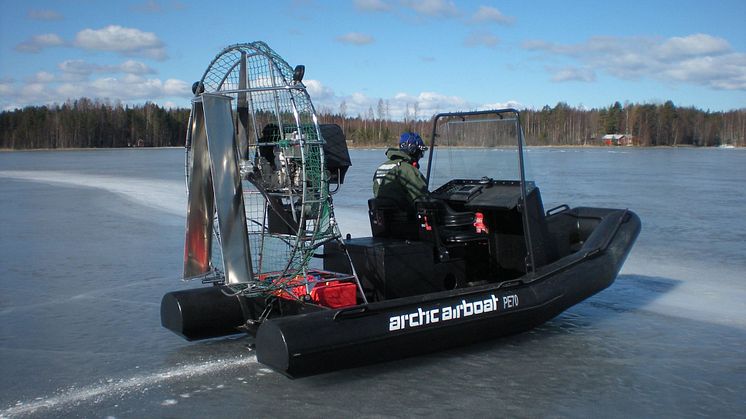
{"x":399,"y":179}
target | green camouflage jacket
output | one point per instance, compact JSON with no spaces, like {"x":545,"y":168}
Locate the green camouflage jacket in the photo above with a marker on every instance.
{"x":398,"y":180}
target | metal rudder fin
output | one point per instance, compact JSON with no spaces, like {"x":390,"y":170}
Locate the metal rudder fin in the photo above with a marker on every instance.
{"x":201,"y":203}
{"x":216,"y":185}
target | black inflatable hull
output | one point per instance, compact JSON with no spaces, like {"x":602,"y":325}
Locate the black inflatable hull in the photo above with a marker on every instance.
{"x":201,"y":313}
{"x":328,"y":340}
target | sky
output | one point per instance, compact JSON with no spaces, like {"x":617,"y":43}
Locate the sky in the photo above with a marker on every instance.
{"x":435,"y":55}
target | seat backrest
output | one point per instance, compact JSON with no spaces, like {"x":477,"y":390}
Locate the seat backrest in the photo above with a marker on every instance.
{"x":388,"y":220}
{"x":443,"y":215}
{"x":441,"y":224}
{"x":451,"y":218}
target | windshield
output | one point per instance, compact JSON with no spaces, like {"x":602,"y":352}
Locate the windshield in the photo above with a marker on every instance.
{"x":474,"y":145}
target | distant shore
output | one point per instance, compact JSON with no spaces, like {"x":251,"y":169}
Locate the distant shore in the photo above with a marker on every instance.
{"x":376,"y":147}
{"x":87,"y":123}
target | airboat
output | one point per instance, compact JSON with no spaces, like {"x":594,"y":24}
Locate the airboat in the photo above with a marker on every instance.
{"x":480,"y":258}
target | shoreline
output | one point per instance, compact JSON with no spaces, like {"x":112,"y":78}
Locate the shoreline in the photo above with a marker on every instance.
{"x":377,"y":147}
{"x":11,"y":150}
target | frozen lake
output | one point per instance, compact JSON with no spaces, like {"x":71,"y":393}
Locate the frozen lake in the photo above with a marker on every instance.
{"x":91,"y":240}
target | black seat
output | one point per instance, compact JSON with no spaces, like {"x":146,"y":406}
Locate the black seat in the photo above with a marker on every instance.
{"x":446,"y":227}
{"x":388,"y":220}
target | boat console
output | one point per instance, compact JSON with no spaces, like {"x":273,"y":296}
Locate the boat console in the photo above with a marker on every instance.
{"x":466,"y":231}
{"x":482,"y":193}
{"x":501,"y":205}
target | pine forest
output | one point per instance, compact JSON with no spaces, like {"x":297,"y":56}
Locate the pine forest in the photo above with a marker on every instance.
{"x":86,"y":123}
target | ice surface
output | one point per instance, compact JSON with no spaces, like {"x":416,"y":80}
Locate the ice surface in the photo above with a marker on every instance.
{"x":158,"y":195}
{"x":123,"y":386}
{"x":91,"y":240}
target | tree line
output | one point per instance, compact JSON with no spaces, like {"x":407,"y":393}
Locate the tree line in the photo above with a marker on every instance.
{"x":86,"y":123}
{"x":563,"y":125}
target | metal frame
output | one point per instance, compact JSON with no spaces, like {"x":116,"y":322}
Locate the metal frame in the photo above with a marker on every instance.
{"x":501,"y":114}
{"x":261,"y":80}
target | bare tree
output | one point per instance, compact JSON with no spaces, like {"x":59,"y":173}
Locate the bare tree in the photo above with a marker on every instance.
{"x":343,"y":113}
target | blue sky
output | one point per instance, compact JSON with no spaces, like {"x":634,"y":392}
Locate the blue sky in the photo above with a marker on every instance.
{"x":441,"y":55}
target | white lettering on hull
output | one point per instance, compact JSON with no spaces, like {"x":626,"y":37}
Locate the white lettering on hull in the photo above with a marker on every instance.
{"x":422,"y":317}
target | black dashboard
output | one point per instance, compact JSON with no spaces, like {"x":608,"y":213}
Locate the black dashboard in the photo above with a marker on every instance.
{"x":484,"y":193}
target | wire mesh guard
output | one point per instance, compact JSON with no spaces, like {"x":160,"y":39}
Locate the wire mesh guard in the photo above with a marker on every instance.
{"x":288,"y":207}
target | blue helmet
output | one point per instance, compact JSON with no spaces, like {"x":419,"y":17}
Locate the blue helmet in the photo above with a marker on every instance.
{"x":412,"y":144}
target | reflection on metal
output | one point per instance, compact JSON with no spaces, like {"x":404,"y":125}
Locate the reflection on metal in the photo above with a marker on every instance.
{"x":201,"y":204}
{"x":216,"y":186}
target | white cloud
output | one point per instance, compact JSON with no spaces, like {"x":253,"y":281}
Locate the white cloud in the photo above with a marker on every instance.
{"x":727,"y":72}
{"x":355,"y":38}
{"x":38,"y":42}
{"x":431,"y":103}
{"x":692,"y":46}
{"x":573,"y":74}
{"x":36,"y":90}
{"x":501,"y":105}
{"x":79,"y":67}
{"x":318,"y":91}
{"x":358,"y":103}
{"x":485,"y":39}
{"x":134,"y":67}
{"x":132,"y":87}
{"x":433,"y":8}
{"x":43,"y":77}
{"x":65,"y":91}
{"x":132,"y":79}
{"x":128,"y":88}
{"x":401,"y":104}
{"x":696,"y":59}
{"x":6,"y":88}
{"x":113,"y":38}
{"x":263,"y":81}
{"x":487,"y":14}
{"x":44,"y":14}
{"x":135,"y":88}
{"x":372,"y":5}
{"x":126,"y":41}
{"x":175,"y":87}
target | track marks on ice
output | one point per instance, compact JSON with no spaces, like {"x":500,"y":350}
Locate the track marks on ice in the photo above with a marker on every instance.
{"x":97,"y":392}
{"x":162,"y":195}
